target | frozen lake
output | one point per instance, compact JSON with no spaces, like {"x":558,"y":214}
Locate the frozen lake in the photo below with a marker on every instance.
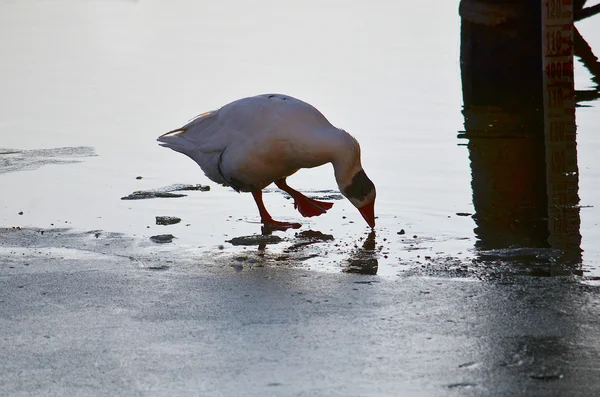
{"x":106,"y":78}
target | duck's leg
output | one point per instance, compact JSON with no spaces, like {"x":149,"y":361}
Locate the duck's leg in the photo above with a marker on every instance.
{"x":306,"y":206}
{"x":265,"y":217}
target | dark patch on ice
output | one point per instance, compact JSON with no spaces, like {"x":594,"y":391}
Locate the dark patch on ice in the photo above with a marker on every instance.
{"x":462,"y":385}
{"x":314,"y":235}
{"x":162,"y":238}
{"x":309,"y":237}
{"x":327,"y":197}
{"x":142,"y":195}
{"x":167,"y":220}
{"x":159,"y":267}
{"x":547,"y":376}
{"x":20,"y":160}
{"x":165,"y":192}
{"x":256,"y":239}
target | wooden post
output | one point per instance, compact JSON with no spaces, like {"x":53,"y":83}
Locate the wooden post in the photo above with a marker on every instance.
{"x":562,"y":174}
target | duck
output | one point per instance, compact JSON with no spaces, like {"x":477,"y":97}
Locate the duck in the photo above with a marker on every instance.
{"x":253,"y":142}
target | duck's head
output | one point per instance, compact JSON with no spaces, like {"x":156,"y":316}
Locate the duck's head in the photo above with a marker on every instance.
{"x":361,"y":193}
{"x":354,"y":182}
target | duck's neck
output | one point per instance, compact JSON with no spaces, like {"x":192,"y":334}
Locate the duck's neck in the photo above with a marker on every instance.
{"x":346,"y":160}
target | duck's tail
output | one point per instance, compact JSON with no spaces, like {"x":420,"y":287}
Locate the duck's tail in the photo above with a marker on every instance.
{"x":176,"y":141}
{"x":188,"y":138}
{"x":185,"y":140}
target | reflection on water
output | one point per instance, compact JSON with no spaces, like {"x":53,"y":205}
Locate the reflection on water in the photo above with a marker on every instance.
{"x":520,"y":126}
{"x":584,"y":52}
{"x":508,"y":173}
{"x":363,"y":260}
{"x":305,"y":246}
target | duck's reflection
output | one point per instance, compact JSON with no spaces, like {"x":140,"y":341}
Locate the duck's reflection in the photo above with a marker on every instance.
{"x":363,"y":260}
{"x":309,"y":244}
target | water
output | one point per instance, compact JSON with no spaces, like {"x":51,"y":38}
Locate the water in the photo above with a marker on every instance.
{"x":113,"y":75}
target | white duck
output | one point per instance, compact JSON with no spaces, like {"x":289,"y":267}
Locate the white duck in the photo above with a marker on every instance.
{"x":252,"y":142}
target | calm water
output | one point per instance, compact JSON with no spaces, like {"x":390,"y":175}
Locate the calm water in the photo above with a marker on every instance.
{"x":113,"y":75}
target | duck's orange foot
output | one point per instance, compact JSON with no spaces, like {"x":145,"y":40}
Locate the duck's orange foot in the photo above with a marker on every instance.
{"x":310,"y":207}
{"x":271,"y":224}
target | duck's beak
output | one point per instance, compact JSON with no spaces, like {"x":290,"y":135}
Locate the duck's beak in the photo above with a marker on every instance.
{"x":368,"y":212}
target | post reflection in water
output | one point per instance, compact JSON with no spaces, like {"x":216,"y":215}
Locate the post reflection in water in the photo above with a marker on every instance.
{"x":519,"y":118}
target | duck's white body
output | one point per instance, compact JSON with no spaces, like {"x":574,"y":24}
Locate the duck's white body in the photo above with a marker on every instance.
{"x":253,"y":142}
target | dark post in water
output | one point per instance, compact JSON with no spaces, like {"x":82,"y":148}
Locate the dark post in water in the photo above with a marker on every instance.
{"x":517,"y":79}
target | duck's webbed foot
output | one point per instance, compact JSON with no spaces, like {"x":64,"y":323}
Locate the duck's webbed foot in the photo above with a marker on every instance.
{"x":310,"y":207}
{"x":267,"y":220}
{"x":271,"y":224}
{"x":306,"y":206}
